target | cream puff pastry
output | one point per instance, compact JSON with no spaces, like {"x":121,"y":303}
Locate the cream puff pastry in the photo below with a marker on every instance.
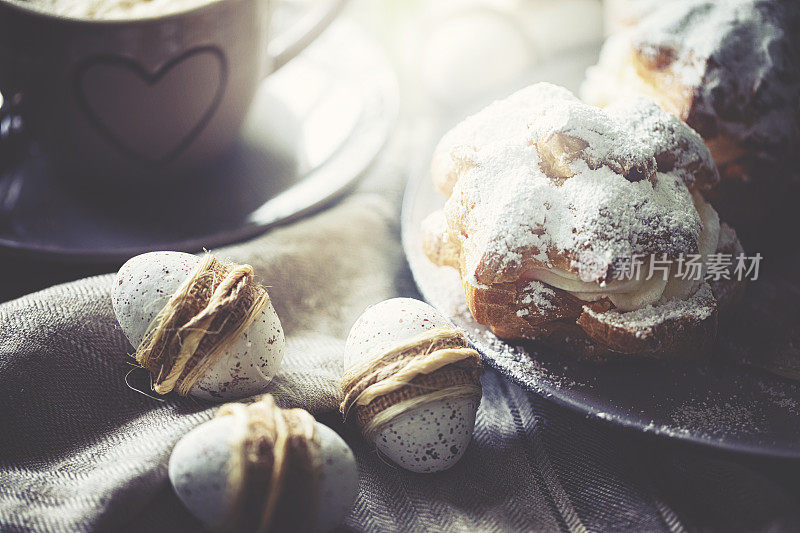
{"x":731,"y":70}
{"x":549,"y":199}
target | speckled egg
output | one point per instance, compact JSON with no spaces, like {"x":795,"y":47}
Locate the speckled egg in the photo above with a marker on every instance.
{"x":145,"y":284}
{"x":433,"y":436}
{"x":198,"y":471}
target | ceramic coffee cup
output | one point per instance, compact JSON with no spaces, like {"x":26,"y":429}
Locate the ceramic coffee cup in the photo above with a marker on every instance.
{"x":123,"y":101}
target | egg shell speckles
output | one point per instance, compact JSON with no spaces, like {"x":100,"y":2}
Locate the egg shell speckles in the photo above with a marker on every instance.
{"x":145,"y":284}
{"x":198,"y":471}
{"x":429,"y":438}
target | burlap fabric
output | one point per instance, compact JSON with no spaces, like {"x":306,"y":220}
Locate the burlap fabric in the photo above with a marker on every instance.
{"x":80,"y":451}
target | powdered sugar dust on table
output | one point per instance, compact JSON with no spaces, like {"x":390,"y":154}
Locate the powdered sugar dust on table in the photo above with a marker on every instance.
{"x":723,"y":404}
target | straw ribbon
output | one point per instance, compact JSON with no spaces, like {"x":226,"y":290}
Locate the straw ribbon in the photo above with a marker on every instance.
{"x":435,"y":365}
{"x":210,"y":310}
{"x":273,"y":475}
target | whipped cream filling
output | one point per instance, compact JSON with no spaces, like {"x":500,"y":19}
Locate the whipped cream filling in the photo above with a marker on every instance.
{"x":633,"y":294}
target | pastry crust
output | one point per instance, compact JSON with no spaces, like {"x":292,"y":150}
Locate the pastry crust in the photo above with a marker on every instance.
{"x":510,"y":260}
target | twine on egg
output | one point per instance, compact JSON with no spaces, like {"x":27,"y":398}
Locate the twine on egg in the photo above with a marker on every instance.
{"x":273,"y":474}
{"x":210,"y":310}
{"x":435,"y":365}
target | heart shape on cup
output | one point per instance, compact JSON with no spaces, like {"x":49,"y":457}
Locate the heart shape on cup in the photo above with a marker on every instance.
{"x":152,"y":116}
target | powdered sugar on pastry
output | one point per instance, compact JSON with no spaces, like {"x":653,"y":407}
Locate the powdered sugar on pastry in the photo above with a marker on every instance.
{"x":677,"y":147}
{"x":501,"y":120}
{"x":726,"y":67}
{"x":598,"y":192}
{"x":700,"y":306}
{"x":568,"y":130}
{"x":538,"y":294}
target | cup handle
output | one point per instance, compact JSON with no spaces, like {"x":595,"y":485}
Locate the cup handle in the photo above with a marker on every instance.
{"x":293,"y":40}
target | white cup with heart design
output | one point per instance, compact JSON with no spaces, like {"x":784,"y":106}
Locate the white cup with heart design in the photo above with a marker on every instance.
{"x":123,"y":97}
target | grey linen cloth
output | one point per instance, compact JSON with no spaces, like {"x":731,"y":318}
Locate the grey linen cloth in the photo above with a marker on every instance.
{"x":81,"y":451}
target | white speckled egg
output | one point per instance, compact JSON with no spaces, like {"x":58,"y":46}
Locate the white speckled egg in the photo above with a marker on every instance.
{"x":145,"y":284}
{"x":198,"y":470}
{"x":433,"y":436}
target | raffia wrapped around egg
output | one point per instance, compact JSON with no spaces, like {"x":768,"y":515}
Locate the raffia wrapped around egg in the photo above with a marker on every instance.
{"x":201,"y":327}
{"x":257,"y":468}
{"x":412,"y":384}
